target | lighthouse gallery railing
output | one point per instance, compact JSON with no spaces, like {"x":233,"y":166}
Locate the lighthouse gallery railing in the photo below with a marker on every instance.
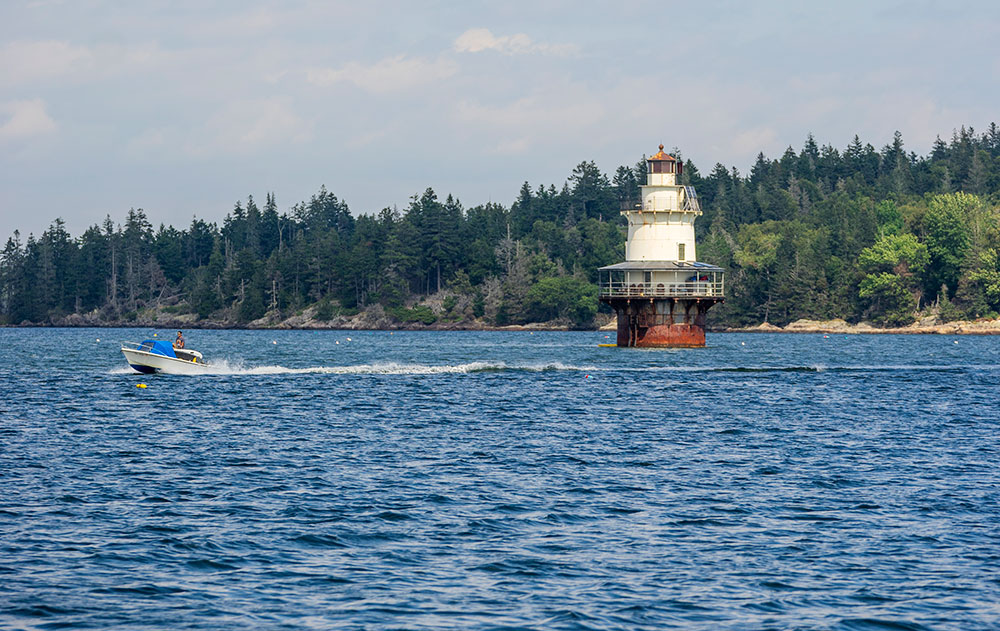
{"x":693,"y":289}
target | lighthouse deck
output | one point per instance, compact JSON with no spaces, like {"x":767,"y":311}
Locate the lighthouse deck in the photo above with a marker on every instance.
{"x":661,"y":279}
{"x":661,"y":290}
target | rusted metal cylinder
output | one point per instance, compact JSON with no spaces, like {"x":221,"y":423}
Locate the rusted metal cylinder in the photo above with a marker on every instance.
{"x":663,"y":323}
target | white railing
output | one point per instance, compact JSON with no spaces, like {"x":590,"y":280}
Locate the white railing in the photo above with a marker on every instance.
{"x":696,"y":289}
{"x":685,"y":203}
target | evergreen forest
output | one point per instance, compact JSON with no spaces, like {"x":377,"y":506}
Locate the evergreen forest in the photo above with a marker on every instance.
{"x":865,"y":234}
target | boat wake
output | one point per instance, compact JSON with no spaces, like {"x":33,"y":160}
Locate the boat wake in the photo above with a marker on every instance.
{"x":226,"y":368}
{"x":386,"y":368}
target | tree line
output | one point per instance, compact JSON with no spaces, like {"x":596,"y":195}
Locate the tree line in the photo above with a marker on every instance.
{"x":863,"y":234}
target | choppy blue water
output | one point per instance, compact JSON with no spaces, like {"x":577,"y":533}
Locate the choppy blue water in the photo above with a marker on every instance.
{"x":500,"y":481}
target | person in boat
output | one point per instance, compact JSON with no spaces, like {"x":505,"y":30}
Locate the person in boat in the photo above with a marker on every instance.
{"x":179,"y":342}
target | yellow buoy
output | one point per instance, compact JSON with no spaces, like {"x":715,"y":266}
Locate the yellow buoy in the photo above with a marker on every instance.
{"x":141,"y":385}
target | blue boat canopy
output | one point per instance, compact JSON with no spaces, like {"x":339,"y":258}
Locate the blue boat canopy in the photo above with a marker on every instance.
{"x":158,"y":347}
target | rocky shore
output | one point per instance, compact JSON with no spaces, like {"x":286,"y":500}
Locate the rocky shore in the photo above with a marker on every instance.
{"x":376,"y":319}
{"x":371,"y":319}
{"x":929,"y":325}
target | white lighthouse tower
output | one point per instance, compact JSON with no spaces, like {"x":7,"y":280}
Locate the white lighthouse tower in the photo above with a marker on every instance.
{"x":661,"y":292}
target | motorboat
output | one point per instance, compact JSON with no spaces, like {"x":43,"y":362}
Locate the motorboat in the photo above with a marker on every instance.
{"x":149,"y":356}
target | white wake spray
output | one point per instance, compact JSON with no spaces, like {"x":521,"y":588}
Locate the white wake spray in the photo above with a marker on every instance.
{"x":224,"y":367}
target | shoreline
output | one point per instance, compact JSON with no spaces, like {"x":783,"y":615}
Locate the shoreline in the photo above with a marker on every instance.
{"x":836,"y":326}
{"x":925,"y":327}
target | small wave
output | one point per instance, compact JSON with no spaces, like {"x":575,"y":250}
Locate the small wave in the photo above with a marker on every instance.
{"x":388,"y":368}
{"x":393,"y":368}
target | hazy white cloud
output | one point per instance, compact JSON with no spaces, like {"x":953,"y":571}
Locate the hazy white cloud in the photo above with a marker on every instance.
{"x":477,"y":40}
{"x":258,"y":20}
{"x":24,"y":119}
{"x":513,"y":146}
{"x":754,"y":139}
{"x":23,"y":61}
{"x":242,"y":127}
{"x":533,"y":111}
{"x":545,"y":116}
{"x":246,"y":126}
{"x":388,"y":75}
{"x":148,"y":142}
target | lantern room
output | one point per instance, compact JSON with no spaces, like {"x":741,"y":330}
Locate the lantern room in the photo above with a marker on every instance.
{"x":663,"y":169}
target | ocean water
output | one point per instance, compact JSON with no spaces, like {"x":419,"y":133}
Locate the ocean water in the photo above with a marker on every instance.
{"x":500,"y":480}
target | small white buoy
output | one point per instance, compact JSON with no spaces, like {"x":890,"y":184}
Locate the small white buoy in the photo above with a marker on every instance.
{"x":98,"y":339}
{"x":274,"y":341}
{"x":743,"y":343}
{"x":337,"y":342}
{"x":348,"y":339}
{"x":956,"y":341}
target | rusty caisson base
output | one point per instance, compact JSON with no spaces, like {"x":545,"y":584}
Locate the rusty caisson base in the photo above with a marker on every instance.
{"x":661,"y":322}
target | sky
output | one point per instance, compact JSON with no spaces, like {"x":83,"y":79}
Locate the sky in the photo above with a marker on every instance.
{"x":182,"y":108}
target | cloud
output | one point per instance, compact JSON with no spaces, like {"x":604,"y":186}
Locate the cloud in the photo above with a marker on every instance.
{"x":539,"y":118}
{"x":148,"y":142}
{"x":388,"y":75}
{"x":512,"y":146}
{"x":257,"y":20}
{"x":477,"y":40}
{"x":246,"y":126}
{"x":29,"y":61}
{"x":25,"y":119}
{"x":754,"y":139}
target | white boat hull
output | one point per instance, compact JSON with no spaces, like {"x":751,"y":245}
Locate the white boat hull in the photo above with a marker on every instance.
{"x":144,"y":362}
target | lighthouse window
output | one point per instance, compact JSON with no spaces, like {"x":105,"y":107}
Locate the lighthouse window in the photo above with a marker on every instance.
{"x":680,"y":251}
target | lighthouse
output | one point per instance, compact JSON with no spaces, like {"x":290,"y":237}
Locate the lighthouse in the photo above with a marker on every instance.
{"x":661,"y":292}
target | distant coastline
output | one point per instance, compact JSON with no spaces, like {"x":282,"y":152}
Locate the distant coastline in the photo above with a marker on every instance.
{"x":376,"y":320}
